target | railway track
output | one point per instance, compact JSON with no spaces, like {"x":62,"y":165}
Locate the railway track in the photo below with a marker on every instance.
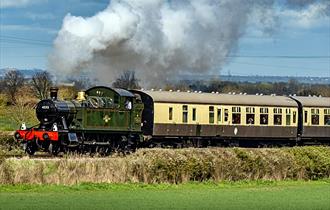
{"x":38,"y":156}
{"x":46,"y":156}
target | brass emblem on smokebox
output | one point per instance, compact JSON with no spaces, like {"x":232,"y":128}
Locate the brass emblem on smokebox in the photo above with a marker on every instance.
{"x":106,"y":118}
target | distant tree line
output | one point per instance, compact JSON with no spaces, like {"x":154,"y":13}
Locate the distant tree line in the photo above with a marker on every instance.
{"x":13,"y":85}
{"x":279,"y":88}
{"x":127,"y":80}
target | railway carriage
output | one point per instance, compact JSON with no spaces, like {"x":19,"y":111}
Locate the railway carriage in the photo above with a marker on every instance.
{"x":315,"y":118}
{"x":224,"y":118}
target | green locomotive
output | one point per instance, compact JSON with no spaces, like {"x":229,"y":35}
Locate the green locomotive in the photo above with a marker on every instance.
{"x":101,"y":119}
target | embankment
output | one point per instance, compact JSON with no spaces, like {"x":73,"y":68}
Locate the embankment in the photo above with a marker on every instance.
{"x":173,"y":166}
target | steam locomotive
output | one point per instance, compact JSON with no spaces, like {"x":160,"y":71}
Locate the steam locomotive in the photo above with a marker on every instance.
{"x":104,"y":120}
{"x":100,"y":120}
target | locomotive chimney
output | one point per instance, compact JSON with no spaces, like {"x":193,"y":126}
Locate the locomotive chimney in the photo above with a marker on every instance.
{"x":53,"y":93}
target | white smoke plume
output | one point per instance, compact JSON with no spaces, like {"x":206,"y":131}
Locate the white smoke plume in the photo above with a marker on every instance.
{"x":159,"y":39}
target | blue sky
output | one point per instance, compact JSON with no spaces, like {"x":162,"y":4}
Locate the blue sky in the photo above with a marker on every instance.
{"x":28,"y":28}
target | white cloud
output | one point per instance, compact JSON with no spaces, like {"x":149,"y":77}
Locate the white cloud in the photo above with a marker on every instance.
{"x":266,"y":23}
{"x":18,"y":3}
{"x":311,"y":17}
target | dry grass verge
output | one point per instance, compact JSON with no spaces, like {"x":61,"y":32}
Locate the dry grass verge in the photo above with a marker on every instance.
{"x":8,"y":145}
{"x":173,"y":166}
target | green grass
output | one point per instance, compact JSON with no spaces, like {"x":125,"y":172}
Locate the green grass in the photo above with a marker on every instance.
{"x":11,"y":117}
{"x":7,"y":125}
{"x":226,"y":195}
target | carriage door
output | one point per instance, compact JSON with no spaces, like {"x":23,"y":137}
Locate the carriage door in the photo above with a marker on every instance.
{"x":226,"y":116}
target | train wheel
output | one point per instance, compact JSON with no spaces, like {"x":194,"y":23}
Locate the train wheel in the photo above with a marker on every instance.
{"x":107,"y":151}
{"x":54,"y":149}
{"x":30,"y":149}
{"x":103,"y":151}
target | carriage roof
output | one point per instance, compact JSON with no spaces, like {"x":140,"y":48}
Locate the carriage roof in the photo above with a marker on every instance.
{"x":313,"y":101}
{"x":214,"y":98}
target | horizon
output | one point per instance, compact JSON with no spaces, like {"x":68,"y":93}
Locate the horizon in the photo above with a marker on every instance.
{"x":226,"y":74}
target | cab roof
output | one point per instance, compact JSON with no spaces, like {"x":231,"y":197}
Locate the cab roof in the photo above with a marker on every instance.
{"x":119,"y":91}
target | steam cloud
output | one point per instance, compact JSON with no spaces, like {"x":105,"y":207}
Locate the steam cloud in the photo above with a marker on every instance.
{"x":160,"y":39}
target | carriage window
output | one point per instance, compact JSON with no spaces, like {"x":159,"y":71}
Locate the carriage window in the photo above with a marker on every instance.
{"x":327,"y":117}
{"x":305,"y":116}
{"x":294,"y":116}
{"x":250,"y":109}
{"x":236,"y":115}
{"x":263,"y":116}
{"x":288,"y":116}
{"x":250,"y":119}
{"x":250,"y":115}
{"x":194,"y":114}
{"x":226,"y":115}
{"x":219,"y":115}
{"x":315,"y":117}
{"x":264,"y":110}
{"x":277,"y":111}
{"x":277,"y":116}
{"x":211,"y":114}
{"x":264,"y":119}
{"x":184,"y":113}
{"x":277,"y":119}
{"x":170,"y":113}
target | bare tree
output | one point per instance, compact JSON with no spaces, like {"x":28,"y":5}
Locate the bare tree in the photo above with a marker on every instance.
{"x":41,"y":83}
{"x":12,"y":81}
{"x":82,"y":83}
{"x":2,"y":85}
{"x":127,"y":81}
{"x":22,"y":112}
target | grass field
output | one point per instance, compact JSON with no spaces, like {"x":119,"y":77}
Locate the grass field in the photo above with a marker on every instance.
{"x":6,"y":124}
{"x":11,"y":117}
{"x":239,"y":195}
